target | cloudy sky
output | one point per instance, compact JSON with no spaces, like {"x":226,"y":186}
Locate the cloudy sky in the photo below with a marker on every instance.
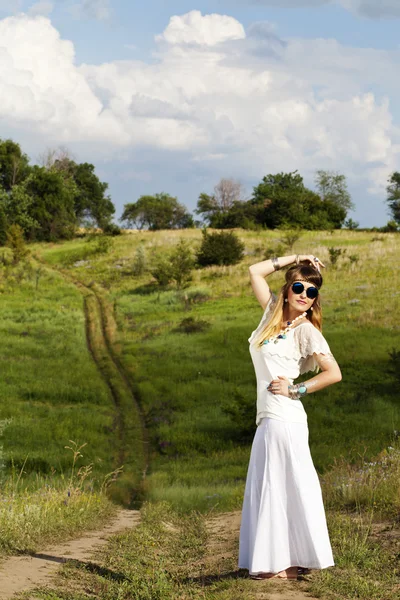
{"x":172,"y":96}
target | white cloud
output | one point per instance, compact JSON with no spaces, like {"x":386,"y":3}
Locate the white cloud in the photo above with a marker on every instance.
{"x":41,"y":87}
{"x":209,"y":30}
{"x":43,"y":7}
{"x":241,"y":103}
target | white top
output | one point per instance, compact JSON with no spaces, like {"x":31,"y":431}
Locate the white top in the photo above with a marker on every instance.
{"x":290,"y":357}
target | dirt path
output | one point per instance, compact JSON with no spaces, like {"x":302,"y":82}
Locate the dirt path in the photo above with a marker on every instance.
{"x":223,"y":547}
{"x":22,"y":573}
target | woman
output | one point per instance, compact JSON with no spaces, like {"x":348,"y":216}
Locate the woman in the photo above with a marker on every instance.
{"x":283,"y":526}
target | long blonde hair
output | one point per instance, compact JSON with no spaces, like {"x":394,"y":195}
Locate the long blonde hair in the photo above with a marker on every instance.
{"x":304,"y":272}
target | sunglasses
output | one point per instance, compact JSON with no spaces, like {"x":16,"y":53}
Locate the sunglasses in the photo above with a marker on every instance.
{"x":298,"y":287}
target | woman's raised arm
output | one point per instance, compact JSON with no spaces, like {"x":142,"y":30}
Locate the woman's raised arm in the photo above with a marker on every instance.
{"x":262,"y":269}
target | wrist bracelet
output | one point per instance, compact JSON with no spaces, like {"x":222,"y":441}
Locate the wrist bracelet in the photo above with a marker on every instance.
{"x":275,"y":263}
{"x":297,"y":391}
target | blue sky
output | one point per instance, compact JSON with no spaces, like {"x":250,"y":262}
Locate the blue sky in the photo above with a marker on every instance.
{"x":228,"y":89}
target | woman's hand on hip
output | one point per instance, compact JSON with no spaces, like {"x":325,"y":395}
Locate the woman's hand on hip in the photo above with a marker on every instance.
{"x":279,"y":386}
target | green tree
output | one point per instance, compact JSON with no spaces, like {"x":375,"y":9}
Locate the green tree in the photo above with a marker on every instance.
{"x":17,"y":205}
{"x":160,"y":211}
{"x":284,"y":201}
{"x":332,"y":186}
{"x":91,"y":202}
{"x":14,"y":164}
{"x":52,"y":205}
{"x":393,"y":195}
{"x":182,"y":263}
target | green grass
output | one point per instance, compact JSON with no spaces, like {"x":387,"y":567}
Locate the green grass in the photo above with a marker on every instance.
{"x":50,"y":389}
{"x":186,"y":382}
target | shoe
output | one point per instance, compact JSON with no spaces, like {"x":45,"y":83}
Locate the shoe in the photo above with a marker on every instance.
{"x":281,"y":575}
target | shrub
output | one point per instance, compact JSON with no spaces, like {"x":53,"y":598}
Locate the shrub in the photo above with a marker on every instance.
{"x":103,"y":244}
{"x":191,"y":325}
{"x":16,"y":241}
{"x":353,"y":258}
{"x":390,"y":227}
{"x":139,"y":263}
{"x":182,"y":263}
{"x":350,"y":224}
{"x":290,"y":237}
{"x":277,"y":250}
{"x":112,"y":229}
{"x":334,"y":254}
{"x":222,"y":248}
{"x":162,"y":272}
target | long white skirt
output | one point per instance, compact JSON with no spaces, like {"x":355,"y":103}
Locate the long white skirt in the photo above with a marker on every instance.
{"x":283,"y":518}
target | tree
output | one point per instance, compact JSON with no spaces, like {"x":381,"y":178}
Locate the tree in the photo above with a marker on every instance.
{"x":160,"y":211}
{"x":281,"y":199}
{"x":284,"y":201}
{"x":393,"y":195}
{"x":91,"y":201}
{"x":92,"y":206}
{"x":14,"y":164}
{"x":227,"y":193}
{"x":333,"y":187}
{"x":17,"y":206}
{"x":52,"y":205}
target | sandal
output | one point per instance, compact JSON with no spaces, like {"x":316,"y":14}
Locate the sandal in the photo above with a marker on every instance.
{"x":289,"y":576}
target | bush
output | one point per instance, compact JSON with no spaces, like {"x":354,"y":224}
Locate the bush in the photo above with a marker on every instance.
{"x":222,"y":248}
{"x":162,"y":272}
{"x":182,"y":264}
{"x":112,"y":229}
{"x":390,"y":227}
{"x":290,"y":237}
{"x":277,"y":250}
{"x":191,"y":325}
{"x":334,"y":255}
{"x":139,"y":263}
{"x":16,"y":241}
{"x":350,"y":224}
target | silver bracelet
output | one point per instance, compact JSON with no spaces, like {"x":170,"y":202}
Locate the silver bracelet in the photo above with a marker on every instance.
{"x":275,"y":263}
{"x":296,"y":392}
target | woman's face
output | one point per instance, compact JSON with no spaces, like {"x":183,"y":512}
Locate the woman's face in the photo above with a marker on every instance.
{"x":300,"y":302}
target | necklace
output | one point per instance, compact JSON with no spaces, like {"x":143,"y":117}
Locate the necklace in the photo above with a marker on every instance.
{"x":283,"y":332}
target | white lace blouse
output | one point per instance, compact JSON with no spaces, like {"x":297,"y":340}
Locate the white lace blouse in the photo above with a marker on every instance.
{"x":290,"y":357}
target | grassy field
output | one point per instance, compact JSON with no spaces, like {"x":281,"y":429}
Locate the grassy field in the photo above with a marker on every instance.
{"x":190,"y":385}
{"x":196,"y":395}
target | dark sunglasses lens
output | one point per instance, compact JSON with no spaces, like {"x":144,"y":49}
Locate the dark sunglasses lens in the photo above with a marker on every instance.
{"x":297,"y":287}
{"x":312,"y":292}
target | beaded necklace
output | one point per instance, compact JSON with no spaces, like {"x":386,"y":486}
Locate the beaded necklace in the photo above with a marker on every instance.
{"x":283,"y":332}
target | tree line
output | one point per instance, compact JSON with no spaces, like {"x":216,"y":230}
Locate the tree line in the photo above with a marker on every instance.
{"x":278,"y":201}
{"x":50,"y":201}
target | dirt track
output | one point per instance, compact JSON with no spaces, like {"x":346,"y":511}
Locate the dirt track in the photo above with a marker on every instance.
{"x":21,"y":573}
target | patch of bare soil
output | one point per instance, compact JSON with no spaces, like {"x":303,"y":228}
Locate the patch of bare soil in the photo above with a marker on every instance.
{"x":223,"y":549}
{"x":22,"y":573}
